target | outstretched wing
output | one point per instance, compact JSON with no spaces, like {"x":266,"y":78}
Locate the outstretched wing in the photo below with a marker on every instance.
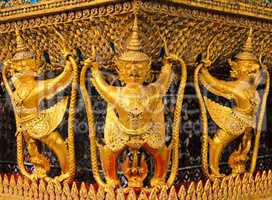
{"x":224,"y":117}
{"x":48,"y":120}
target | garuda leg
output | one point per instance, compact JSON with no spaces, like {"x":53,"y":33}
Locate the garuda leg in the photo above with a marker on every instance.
{"x":40,"y":162}
{"x":56,"y":143}
{"x":217,"y":144}
{"x":109,"y":164}
{"x":161,"y":160}
{"x":246,"y":143}
{"x":237,"y":160}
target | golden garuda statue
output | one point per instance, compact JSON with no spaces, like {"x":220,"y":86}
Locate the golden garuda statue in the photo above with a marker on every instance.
{"x":20,"y":76}
{"x":135,"y":119}
{"x":243,"y":119}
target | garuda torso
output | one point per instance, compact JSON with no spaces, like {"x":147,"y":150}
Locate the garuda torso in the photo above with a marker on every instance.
{"x":136,"y":118}
{"x":30,"y":118}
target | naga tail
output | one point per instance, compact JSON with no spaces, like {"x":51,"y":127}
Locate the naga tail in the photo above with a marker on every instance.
{"x":71,"y":121}
{"x":20,"y":155}
{"x":176,"y":123}
{"x":19,"y":134}
{"x":72,"y":110}
{"x":260,"y":121}
{"x":203,"y":111}
{"x":204,"y":121}
{"x":92,"y":134}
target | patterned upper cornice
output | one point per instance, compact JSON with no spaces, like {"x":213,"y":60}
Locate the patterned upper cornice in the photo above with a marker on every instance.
{"x":20,"y":9}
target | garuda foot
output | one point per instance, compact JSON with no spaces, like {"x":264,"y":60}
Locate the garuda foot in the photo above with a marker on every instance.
{"x":34,"y":177}
{"x":158,"y":183}
{"x":38,"y":173}
{"x":215,"y":173}
{"x":62,"y":177}
{"x":217,"y":176}
{"x":111,"y":184}
{"x":57,"y":179}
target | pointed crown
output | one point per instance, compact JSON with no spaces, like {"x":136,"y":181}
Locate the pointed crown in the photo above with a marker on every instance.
{"x":246,"y":53}
{"x":134,"y":46}
{"x":21,"y":51}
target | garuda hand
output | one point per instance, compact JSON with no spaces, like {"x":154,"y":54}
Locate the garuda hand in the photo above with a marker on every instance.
{"x":206,"y":63}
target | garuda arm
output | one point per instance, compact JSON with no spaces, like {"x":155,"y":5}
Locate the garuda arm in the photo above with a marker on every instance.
{"x":5,"y":79}
{"x":218,"y":87}
{"x":165,"y":78}
{"x":6,"y":83}
{"x":108,"y":92}
{"x":52,"y":86}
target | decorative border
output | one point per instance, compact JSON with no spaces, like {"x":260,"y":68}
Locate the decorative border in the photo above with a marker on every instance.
{"x":259,"y":11}
{"x":66,"y":14}
{"x":47,"y":7}
{"x":57,"y":12}
{"x":240,"y":187}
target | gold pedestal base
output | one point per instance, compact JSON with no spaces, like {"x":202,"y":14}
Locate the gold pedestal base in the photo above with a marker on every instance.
{"x":244,"y":187}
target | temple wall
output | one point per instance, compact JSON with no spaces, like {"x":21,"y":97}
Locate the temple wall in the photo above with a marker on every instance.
{"x":187,"y":26}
